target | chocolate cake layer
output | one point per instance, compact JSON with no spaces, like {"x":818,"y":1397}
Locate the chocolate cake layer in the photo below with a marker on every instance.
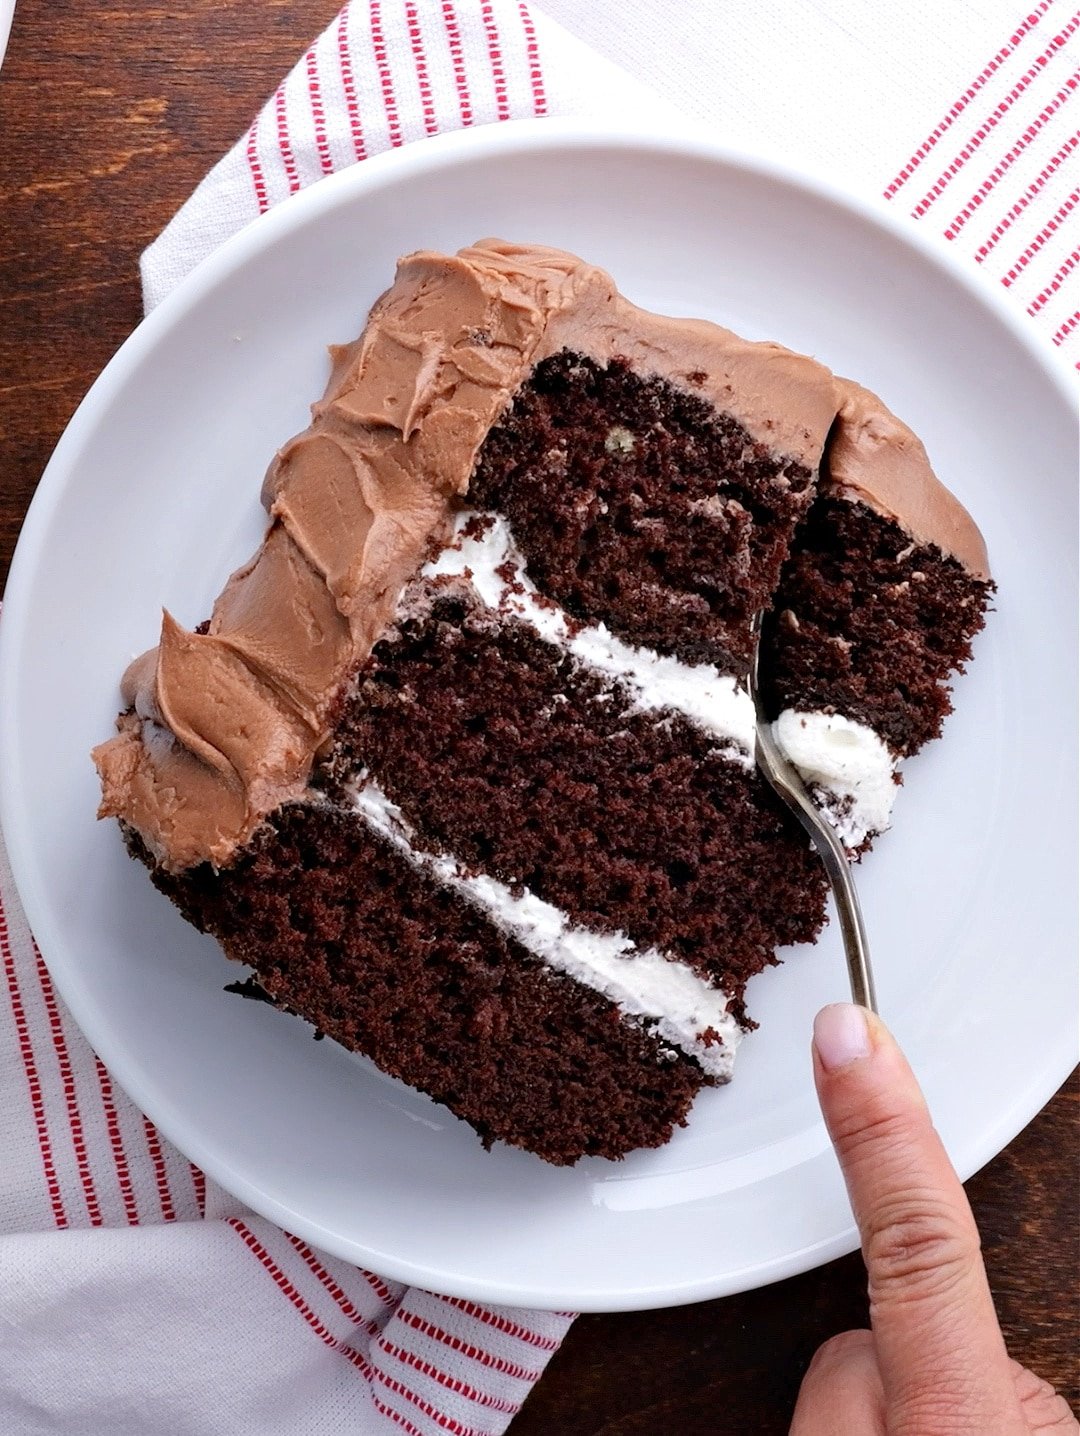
{"x":636,"y":503}
{"x":501,"y":749}
{"x":342,"y":929}
{"x":868,"y":624}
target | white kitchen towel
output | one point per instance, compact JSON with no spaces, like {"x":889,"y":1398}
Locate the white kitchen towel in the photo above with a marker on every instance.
{"x":136,"y":1298}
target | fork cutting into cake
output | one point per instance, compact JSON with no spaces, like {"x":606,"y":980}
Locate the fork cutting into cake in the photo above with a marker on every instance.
{"x":787,"y":783}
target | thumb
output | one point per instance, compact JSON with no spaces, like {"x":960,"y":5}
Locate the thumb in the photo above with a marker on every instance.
{"x":841,"y":1392}
{"x":940,"y":1352}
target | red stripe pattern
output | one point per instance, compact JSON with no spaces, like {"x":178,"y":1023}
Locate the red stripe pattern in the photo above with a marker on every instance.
{"x":1040,"y":239}
{"x":1028,"y":153}
{"x":258,"y":180}
{"x":347,"y":1307}
{"x":71,"y":1096}
{"x":198,"y":1181}
{"x":440,"y":1418}
{"x":457,"y":60}
{"x":161,"y":1175}
{"x":292,"y":1295}
{"x":502,"y":1323}
{"x":1022,"y":203}
{"x":116,"y":1146}
{"x":461,"y":1388}
{"x":465,"y":1348}
{"x":498,"y":74}
{"x":386,"y":84}
{"x":425,"y":1377}
{"x":91,"y":1148}
{"x":33,"y":1082}
{"x":288,"y":159}
{"x":416,"y":40}
{"x":1056,"y":283}
{"x":318,"y":113}
{"x":348,"y":84}
{"x":990,"y":124}
{"x":957,"y":109}
{"x":995,"y":175}
{"x":532,"y":49}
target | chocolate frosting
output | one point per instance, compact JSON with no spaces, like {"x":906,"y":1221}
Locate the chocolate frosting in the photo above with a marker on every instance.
{"x":874,"y":458}
{"x":222,"y":726}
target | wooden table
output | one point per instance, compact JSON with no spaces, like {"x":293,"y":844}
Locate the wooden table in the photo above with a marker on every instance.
{"x":110,"y":112}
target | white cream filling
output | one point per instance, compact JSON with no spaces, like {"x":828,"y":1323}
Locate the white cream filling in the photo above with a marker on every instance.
{"x":849,"y":767}
{"x":846,"y":763}
{"x":643,"y":982}
{"x":713,"y":700}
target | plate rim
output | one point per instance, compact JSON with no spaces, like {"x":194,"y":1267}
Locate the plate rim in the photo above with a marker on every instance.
{"x":419,"y":157}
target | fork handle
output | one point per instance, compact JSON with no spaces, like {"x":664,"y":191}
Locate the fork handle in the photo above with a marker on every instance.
{"x":856,"y":949}
{"x":832,"y":854}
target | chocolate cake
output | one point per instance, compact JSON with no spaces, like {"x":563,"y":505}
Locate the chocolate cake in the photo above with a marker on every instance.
{"x":460,"y":764}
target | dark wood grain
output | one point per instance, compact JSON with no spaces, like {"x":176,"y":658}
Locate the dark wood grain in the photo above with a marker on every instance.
{"x":109,"y":115}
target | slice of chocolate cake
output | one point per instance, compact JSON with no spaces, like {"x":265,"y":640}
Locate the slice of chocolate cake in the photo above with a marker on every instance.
{"x":460,"y":764}
{"x":885,"y":586}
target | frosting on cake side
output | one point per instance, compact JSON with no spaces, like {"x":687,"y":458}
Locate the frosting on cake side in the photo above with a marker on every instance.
{"x":875,"y":458}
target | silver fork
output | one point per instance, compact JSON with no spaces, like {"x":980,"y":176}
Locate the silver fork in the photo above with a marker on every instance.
{"x":786,"y":781}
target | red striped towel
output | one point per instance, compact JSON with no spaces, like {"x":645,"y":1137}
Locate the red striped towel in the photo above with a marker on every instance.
{"x":135,"y":1296}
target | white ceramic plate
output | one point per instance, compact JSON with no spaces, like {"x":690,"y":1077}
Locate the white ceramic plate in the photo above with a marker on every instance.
{"x":152,"y":498}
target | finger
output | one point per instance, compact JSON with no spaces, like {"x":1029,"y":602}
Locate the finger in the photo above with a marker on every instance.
{"x":841,"y":1393}
{"x":939,"y":1348}
{"x":1046,"y":1413}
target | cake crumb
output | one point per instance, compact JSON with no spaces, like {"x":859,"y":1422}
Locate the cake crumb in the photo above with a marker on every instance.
{"x":619,"y":440}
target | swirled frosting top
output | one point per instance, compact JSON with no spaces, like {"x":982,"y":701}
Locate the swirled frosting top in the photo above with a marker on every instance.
{"x":222,"y":726}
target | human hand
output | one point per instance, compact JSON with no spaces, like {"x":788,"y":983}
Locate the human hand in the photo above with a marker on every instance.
{"x":935,"y":1363}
